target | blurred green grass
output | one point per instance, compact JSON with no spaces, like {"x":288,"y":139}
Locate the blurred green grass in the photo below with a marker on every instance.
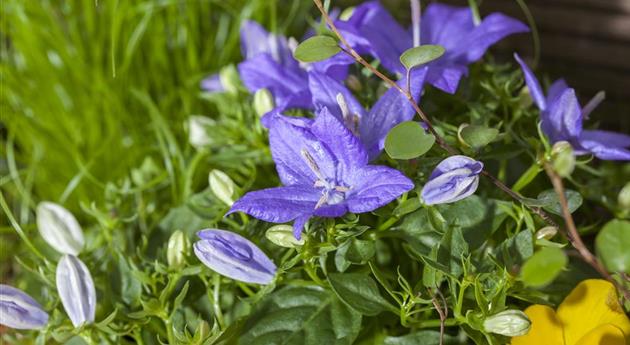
{"x":90,"y":88}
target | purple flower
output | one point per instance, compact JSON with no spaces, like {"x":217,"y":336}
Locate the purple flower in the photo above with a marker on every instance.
{"x":370,"y":126}
{"x":561,"y":120}
{"x":76,"y":290}
{"x":455,"y":178}
{"x":269,"y":64}
{"x":234,"y":256}
{"x":324,"y":169}
{"x":448,"y":26}
{"x":19,"y":310}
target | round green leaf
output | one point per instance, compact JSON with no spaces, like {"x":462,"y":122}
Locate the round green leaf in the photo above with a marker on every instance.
{"x":612,"y":245}
{"x":477,"y":136}
{"x":550,"y":202}
{"x":408,"y":140}
{"x":420,"y":55}
{"x":316,"y":48}
{"x":543,"y":267}
{"x":360,"y":292}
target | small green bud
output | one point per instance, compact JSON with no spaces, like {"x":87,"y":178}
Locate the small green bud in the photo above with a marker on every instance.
{"x":198,"y":127}
{"x":263,"y":102}
{"x":230,"y":79}
{"x":354,"y":83}
{"x":546,"y":233}
{"x":202,"y":332}
{"x":222,"y":186}
{"x":510,"y":323}
{"x":562,"y":158}
{"x":282,"y":235}
{"x":437,"y":219}
{"x":624,"y":197}
{"x":177,"y":250}
{"x":347,"y":13}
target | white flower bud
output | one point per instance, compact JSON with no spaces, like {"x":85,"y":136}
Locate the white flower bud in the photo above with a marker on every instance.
{"x":229,"y":79}
{"x":222,"y":186}
{"x":510,"y":323}
{"x":76,"y":290}
{"x":198,"y":131}
{"x":562,"y":158}
{"x":282,"y":235}
{"x":177,"y":250}
{"x":59,"y":228}
{"x":546,"y":233}
{"x":263,"y":102}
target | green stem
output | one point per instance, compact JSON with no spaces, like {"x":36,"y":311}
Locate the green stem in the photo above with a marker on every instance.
{"x":388,"y":223}
{"x":216,"y":289}
{"x":18,"y":229}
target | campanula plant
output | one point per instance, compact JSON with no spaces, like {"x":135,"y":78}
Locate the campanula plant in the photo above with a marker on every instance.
{"x":343,"y":197}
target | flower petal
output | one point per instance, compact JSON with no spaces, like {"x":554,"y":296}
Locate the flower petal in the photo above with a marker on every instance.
{"x":288,"y":85}
{"x":287,"y":140}
{"x":59,"y":228}
{"x":255,"y":40}
{"x":455,"y":178}
{"x":606,"y":145}
{"x":611,"y":139}
{"x":76,"y":290}
{"x":212,"y":83}
{"x":387,"y":38}
{"x":347,"y":149}
{"x":605,"y":334}
{"x":563,"y":117}
{"x":278,"y":205}
{"x":592,"y":303}
{"x":391,"y":109}
{"x":234,"y":256}
{"x":555,"y":90}
{"x":445,"y":25}
{"x":546,"y":328}
{"x":532,"y":84}
{"x":375,"y":186}
{"x":446,"y":77}
{"x":325,"y":90}
{"x":19,"y":310}
{"x":492,"y":29}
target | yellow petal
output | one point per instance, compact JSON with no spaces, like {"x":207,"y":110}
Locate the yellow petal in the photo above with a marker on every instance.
{"x":546,"y":328}
{"x":603,"y":335}
{"x":591,"y":304}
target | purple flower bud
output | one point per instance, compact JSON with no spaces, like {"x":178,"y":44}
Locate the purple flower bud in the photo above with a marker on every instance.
{"x":453,"y":179}
{"x":19,"y":310}
{"x":76,"y":290}
{"x":234,"y":256}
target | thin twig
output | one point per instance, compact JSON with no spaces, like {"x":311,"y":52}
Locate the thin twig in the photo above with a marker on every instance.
{"x":443,"y":313}
{"x":574,"y":236}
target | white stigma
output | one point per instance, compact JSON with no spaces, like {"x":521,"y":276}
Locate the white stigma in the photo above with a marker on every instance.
{"x":593,"y":103}
{"x":415,"y":21}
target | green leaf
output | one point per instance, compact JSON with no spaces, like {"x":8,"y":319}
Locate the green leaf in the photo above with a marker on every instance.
{"x":408,"y":140}
{"x":353,"y":251}
{"x":301,"y":315}
{"x":543,"y":267}
{"x":550,"y":202}
{"x":477,"y":136}
{"x":360,"y":292}
{"x":421,"y":337}
{"x":517,"y":249}
{"x":316,"y":48}
{"x":453,"y":248}
{"x":612,"y":245}
{"x":421,"y":55}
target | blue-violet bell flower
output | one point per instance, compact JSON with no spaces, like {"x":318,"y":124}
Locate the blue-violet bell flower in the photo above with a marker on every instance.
{"x":371,"y":126}
{"x":561,"y":120}
{"x":234,"y":256}
{"x":76,"y":290}
{"x":450,"y":27}
{"x":324,"y":169}
{"x":19,"y":310}
{"x":455,"y":178}
{"x":269,"y":64}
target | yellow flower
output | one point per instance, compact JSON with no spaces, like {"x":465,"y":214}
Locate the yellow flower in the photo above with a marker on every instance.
{"x":589,"y":315}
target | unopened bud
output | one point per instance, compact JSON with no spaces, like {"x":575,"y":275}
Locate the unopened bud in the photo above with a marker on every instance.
{"x":354,"y":83}
{"x":282,"y":235}
{"x":202,"y":332}
{"x":177,"y":249}
{"x":222,"y":186}
{"x":230,"y":79}
{"x":624,"y":197}
{"x":510,"y":323}
{"x":346,"y":14}
{"x":198,"y":127}
{"x":562,"y":158}
{"x":59,"y":228}
{"x":263,"y":102}
{"x":436,"y":219}
{"x":546,"y":233}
